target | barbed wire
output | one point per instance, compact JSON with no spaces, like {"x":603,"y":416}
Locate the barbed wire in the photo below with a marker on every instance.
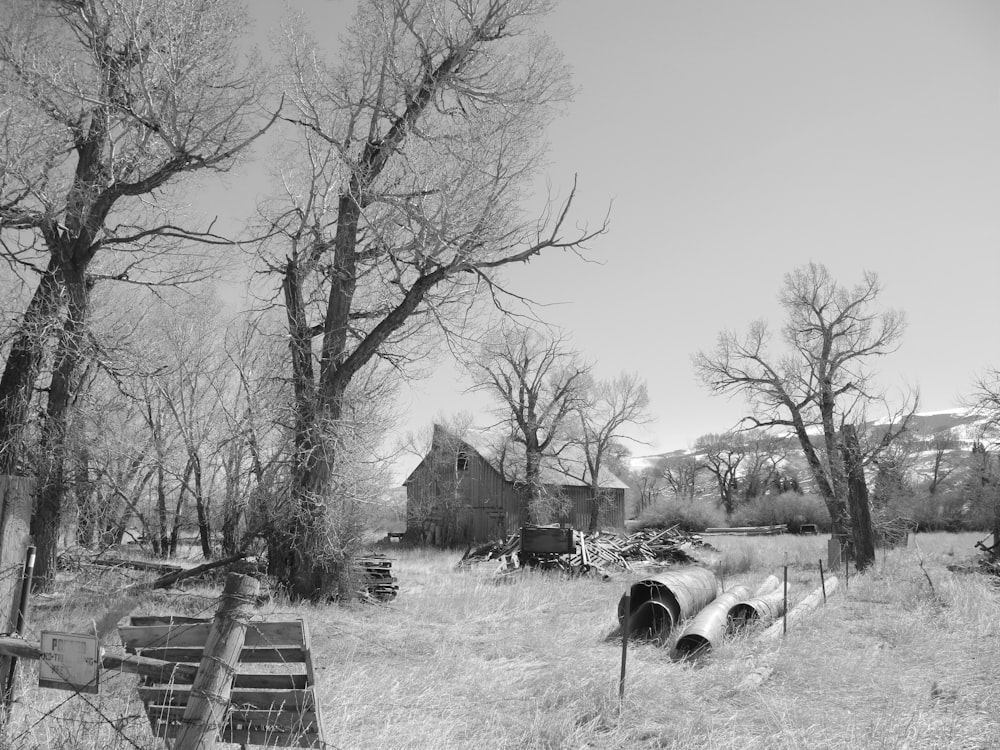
{"x":74,"y":692}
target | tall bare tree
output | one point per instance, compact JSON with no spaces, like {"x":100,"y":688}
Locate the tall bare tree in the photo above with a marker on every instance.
{"x":943,"y":448}
{"x":765,"y":454}
{"x":106,"y":102}
{"x":985,"y":400}
{"x":822,"y":379}
{"x":721,"y":456}
{"x":605,"y":410}
{"x":414,"y":151}
{"x":681,"y":475}
{"x":538,"y":384}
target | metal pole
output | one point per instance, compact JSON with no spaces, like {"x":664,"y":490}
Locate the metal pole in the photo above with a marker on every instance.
{"x":784,"y":616}
{"x":22,"y":606}
{"x":626,"y":627}
{"x":822,"y":581}
{"x":847,"y":568}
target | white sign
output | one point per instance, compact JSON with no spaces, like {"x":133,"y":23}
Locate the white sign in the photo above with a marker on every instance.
{"x":69,"y":662}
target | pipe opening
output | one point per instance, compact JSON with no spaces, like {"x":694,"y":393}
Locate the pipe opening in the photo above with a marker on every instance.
{"x":691,"y":646}
{"x":742,"y":616}
{"x":653,"y":612}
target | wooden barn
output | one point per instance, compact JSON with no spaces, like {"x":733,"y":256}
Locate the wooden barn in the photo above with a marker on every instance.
{"x":471,"y":489}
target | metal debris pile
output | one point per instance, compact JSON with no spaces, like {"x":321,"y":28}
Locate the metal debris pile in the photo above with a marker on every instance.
{"x":601,"y":552}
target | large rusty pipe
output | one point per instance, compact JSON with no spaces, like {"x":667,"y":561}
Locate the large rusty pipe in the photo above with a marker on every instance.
{"x":658,"y":604}
{"x":708,"y":628}
{"x":760,"y":610}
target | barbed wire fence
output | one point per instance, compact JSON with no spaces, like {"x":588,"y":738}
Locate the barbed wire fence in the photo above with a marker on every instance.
{"x":71,"y":721}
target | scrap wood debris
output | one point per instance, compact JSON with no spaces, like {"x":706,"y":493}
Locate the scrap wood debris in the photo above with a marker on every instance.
{"x":380,"y":585}
{"x":602,"y":552}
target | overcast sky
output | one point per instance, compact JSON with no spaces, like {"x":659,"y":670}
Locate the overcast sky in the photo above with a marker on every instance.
{"x":737,"y":140}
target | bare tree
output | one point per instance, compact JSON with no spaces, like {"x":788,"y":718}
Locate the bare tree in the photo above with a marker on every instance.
{"x":721,"y":456}
{"x":985,"y":400}
{"x":831,"y":333}
{"x":538,"y":385}
{"x":942,"y":448}
{"x":765,"y":454}
{"x":254,"y":401}
{"x":106,"y":102}
{"x":649,"y":485}
{"x":401,"y":207}
{"x":681,"y":476}
{"x":605,"y":410}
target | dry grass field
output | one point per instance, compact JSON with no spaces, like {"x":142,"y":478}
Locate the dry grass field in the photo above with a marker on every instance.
{"x":907,"y":657}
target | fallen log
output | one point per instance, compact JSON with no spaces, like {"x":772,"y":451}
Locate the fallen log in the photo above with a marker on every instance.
{"x":120,"y":562}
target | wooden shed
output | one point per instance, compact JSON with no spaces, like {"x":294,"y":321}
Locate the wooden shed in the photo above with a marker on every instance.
{"x":471,"y":489}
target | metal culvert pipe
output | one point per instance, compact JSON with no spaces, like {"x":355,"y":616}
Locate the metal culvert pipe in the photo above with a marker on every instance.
{"x":760,"y":610}
{"x":658,"y":604}
{"x":708,"y":628}
{"x":803,"y":608}
{"x":769,"y":583}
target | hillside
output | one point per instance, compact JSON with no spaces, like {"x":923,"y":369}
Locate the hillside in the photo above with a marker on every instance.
{"x":945,"y":438}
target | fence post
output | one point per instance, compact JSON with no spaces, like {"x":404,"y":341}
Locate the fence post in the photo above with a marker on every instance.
{"x":626,"y":628}
{"x":15,"y":516}
{"x":209,"y":699}
{"x":22,"y":607}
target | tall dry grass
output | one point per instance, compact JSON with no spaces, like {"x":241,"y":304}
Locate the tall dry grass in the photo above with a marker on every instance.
{"x":907,"y":657}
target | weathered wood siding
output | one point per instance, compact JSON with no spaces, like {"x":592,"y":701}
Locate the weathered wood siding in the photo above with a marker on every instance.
{"x":446,"y":505}
{"x":612,"y":515}
{"x":456,"y":497}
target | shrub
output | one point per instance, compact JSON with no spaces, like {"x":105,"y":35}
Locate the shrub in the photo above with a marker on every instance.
{"x":789,"y":508}
{"x":946,"y":511}
{"x":690,"y":515}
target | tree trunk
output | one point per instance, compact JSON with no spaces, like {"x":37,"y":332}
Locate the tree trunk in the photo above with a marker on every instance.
{"x":161,"y":539}
{"x":836,"y":506}
{"x":857,"y":497}
{"x":537,"y":512}
{"x":595,"y":507}
{"x":87,"y":510}
{"x":24,"y":362}
{"x":201,"y":507}
{"x":46,"y":519}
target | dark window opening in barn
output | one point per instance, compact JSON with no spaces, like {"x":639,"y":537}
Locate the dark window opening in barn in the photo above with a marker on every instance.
{"x":462,"y":463}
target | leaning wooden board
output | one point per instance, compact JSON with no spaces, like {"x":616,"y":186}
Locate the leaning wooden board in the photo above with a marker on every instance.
{"x":273,"y":700}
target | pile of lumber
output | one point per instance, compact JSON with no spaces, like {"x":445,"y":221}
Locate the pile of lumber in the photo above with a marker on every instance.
{"x":600,"y":552}
{"x":779,"y":528}
{"x":376,"y":575}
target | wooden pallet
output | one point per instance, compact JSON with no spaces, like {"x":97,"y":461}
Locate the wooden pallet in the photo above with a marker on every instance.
{"x":376,"y":571}
{"x":273,"y":701}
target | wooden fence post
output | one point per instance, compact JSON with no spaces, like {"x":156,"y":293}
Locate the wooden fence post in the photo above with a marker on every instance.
{"x":15,"y":516}
{"x":209,"y":700}
{"x":22,"y":608}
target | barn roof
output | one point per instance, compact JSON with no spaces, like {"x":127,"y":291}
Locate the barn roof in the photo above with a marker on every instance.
{"x":568,"y":469}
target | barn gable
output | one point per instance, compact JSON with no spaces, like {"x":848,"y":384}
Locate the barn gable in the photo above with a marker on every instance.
{"x":470,"y":489}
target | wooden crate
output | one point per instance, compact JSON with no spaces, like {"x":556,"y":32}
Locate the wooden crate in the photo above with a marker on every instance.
{"x":273,"y":701}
